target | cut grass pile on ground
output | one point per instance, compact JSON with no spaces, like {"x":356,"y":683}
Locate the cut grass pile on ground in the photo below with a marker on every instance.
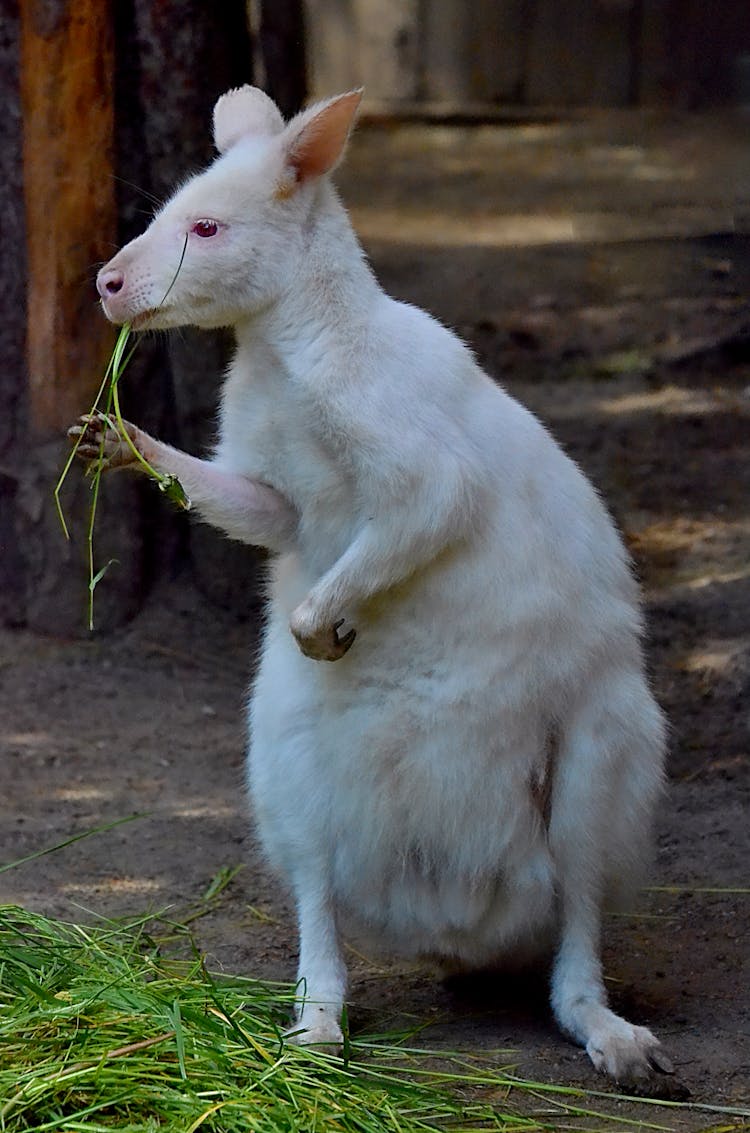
{"x":104,"y":1028}
{"x":99,"y":1030}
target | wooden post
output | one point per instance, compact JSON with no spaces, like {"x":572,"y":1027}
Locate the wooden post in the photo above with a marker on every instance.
{"x":67,"y":84}
{"x":67,"y":96}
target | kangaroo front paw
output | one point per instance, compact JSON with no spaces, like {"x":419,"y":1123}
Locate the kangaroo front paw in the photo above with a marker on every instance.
{"x":627,"y":1053}
{"x":95,"y":437}
{"x":321,"y":644}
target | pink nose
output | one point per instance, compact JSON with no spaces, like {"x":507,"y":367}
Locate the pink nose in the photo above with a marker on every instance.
{"x":109,"y":283}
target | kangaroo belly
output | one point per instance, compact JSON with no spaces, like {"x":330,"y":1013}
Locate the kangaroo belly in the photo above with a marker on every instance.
{"x":420,"y":811}
{"x":418,"y":906}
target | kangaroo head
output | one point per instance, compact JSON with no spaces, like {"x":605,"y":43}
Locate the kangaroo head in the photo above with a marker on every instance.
{"x":228,"y":242}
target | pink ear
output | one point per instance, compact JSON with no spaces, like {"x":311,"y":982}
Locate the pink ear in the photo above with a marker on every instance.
{"x":318,"y":136}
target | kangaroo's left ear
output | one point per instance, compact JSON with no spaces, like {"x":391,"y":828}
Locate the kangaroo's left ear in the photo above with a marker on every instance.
{"x":316,"y":139}
{"x":245,"y":111}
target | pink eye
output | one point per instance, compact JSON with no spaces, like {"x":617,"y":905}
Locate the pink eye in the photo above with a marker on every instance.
{"x":205,"y":228}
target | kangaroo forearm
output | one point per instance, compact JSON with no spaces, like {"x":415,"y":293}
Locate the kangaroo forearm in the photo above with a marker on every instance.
{"x":372,"y":564}
{"x":246,"y":509}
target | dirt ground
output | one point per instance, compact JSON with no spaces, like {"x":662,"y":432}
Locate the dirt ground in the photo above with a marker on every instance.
{"x":631,"y":340}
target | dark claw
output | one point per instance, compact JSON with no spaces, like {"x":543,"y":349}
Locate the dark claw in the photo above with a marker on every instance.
{"x":326,"y":645}
{"x":346,"y":641}
{"x":660,"y":1061}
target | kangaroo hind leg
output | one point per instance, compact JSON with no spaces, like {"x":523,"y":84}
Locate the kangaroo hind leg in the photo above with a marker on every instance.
{"x":607,"y":781}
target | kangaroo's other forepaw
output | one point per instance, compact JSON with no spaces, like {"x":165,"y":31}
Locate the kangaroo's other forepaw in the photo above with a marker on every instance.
{"x":320,"y":643}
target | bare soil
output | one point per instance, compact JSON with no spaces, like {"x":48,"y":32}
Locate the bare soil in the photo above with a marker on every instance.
{"x":637,"y":356}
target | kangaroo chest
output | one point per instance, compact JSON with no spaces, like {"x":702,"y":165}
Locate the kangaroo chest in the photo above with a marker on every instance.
{"x":269,"y":430}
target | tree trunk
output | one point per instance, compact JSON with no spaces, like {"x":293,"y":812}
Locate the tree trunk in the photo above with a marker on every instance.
{"x":67,"y":69}
{"x":117,"y":101}
{"x":12,"y":321}
{"x":164,"y":133}
{"x":282,"y":48}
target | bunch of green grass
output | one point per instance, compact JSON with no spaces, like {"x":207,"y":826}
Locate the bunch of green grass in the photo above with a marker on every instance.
{"x":103,"y":1028}
{"x":100,"y":1031}
{"x":107,"y":402}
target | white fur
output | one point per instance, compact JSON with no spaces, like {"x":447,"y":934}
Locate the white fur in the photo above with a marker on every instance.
{"x":477,"y":771}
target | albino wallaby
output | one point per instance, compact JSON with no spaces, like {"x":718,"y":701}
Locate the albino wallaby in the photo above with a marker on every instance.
{"x":476,"y":772}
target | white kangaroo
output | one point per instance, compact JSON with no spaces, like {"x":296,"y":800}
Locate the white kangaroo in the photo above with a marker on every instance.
{"x":475,"y":774}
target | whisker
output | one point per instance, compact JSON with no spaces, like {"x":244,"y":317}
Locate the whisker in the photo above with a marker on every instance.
{"x":93,"y":270}
{"x":144,"y":192}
